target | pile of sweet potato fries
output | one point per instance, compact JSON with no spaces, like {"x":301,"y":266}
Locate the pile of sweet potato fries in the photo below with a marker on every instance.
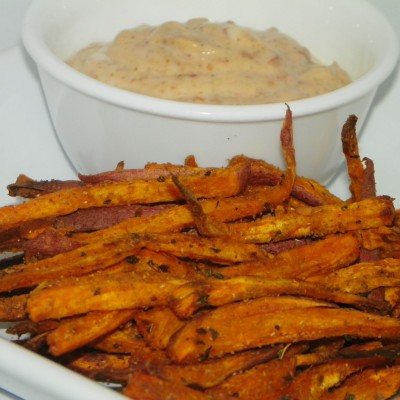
{"x":186,"y":282}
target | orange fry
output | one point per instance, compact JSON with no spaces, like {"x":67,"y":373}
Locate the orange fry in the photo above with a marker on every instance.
{"x":315,"y":382}
{"x":74,"y":333}
{"x":213,"y":372}
{"x":264,"y":381}
{"x":222,"y":182}
{"x":180,"y":217}
{"x":241,"y":326}
{"x":104,"y":293}
{"x":80,"y":261}
{"x":320,"y":257}
{"x":103,"y":367}
{"x":144,"y":386}
{"x":370,"y":384}
{"x":203,"y":293}
{"x":317,"y":221}
{"x":364,"y":277}
{"x":157,"y":325}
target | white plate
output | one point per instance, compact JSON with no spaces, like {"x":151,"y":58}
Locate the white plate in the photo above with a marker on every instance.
{"x":28,"y":145}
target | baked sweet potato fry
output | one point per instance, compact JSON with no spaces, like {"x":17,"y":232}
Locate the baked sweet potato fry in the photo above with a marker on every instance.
{"x":221,"y":250}
{"x":128,"y":341}
{"x":157,"y":325}
{"x":241,"y":326}
{"x":80,"y":261}
{"x":318,"y":257}
{"x":106,"y":293}
{"x":315,"y":382}
{"x":180,"y":217}
{"x":123,"y":340}
{"x":103,"y":367}
{"x":276,"y":194}
{"x":317,"y":221}
{"x":13,"y":308}
{"x":370,"y":384}
{"x":74,"y":333}
{"x":222,"y":182}
{"x":264,"y":381}
{"x":145,"y":386}
{"x":364,"y":277}
{"x":190,"y":297}
{"x":213,"y":372}
{"x":355,"y":168}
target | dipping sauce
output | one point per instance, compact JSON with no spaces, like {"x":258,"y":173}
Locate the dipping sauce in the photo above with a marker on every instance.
{"x":204,"y":62}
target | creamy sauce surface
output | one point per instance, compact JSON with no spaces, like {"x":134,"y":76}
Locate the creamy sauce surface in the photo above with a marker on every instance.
{"x":214,"y":63}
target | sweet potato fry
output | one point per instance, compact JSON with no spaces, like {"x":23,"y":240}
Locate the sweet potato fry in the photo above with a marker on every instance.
{"x":74,"y":333}
{"x":128,"y":341}
{"x":151,"y":170}
{"x":317,"y":221}
{"x":213,"y":372}
{"x":195,"y":295}
{"x":223,"y":182}
{"x":316,"y":381}
{"x":370,"y":384}
{"x":123,"y":340}
{"x":355,"y":168}
{"x":222,"y":250}
{"x":271,"y":195}
{"x":264,"y":381}
{"x":320,"y":352}
{"x":103,"y":367}
{"x":180,"y":217}
{"x":27,"y":187}
{"x":144,"y":386}
{"x":319,"y":257}
{"x":304,"y":189}
{"x":240,"y":326}
{"x":80,"y":261}
{"x":364,"y":277}
{"x":166,"y":263}
{"x":157,"y":325}
{"x":13,"y":308}
{"x":274,"y":195}
{"x":104,"y":293}
{"x":313,"y":193}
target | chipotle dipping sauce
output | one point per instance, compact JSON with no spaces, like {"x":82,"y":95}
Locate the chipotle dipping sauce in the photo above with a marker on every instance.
{"x":214,"y":63}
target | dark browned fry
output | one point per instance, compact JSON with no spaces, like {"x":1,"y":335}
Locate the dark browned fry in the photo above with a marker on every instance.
{"x":29,"y":188}
{"x":13,"y":308}
{"x":355,"y":168}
